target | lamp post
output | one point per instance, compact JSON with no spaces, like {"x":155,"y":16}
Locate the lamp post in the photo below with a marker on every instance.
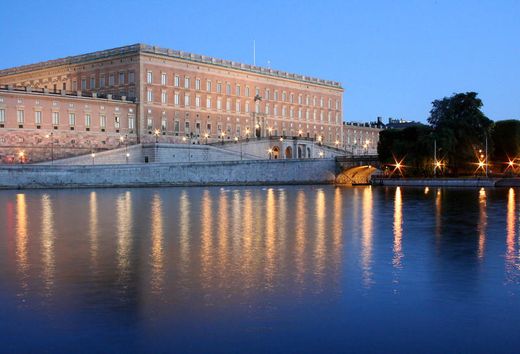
{"x":93,"y":155}
{"x":21,"y":156}
{"x":206,"y":136}
{"x":270,"y":153}
{"x":51,"y":135}
{"x":247,"y":133}
{"x":223,"y":134}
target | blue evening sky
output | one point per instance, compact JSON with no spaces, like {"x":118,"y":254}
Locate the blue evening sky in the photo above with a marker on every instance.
{"x":392,"y":57}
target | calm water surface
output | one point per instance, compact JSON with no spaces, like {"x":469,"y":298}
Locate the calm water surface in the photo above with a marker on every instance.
{"x":283,"y":269}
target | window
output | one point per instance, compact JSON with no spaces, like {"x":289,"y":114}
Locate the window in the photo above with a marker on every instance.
{"x":20,"y":116}
{"x":149,"y":124}
{"x":276,"y":95}
{"x":330,"y":103}
{"x":111,"y":80}
{"x":321,"y":101}
{"x":176,"y":81}
{"x":228,"y":105}
{"x":2,"y":115}
{"x":247,"y":91}
{"x":219,"y":103}
{"x":186,"y":82}
{"x":197,"y":101}
{"x":176,"y":99}
{"x":102,"y":81}
{"x":149,"y":95}
{"x":266,"y":94}
{"x":208,"y":102}
{"x":164,"y":97}
{"x":275,"y":110}
{"x":299,"y":113}
{"x":284,"y":96}
{"x":83,"y":84}
{"x":102,"y":121}
{"x":131,"y":123}
{"x":38,"y":117}
{"x":92,"y":82}
{"x":284,"y":111}
{"x":291,"y":112}
{"x":176,"y":126}
{"x":163,"y":78}
{"x":163,"y":124}
{"x":186,"y":100}
{"x":307,"y":100}
{"x":300,"y":99}
{"x":237,"y":106}
{"x":291,"y":98}
{"x":208,"y":86}
{"x":219,"y":87}
{"x":321,"y":116}
{"x":238,"y":90}
{"x":197,"y":84}
{"x":87,"y":120}
{"x":74,"y":85}
{"x":257,"y":91}
{"x":267,"y":109}
{"x":121,"y":78}
{"x":55,"y":118}
{"x":228,"y":89}
{"x":131,"y":77}
{"x":247,"y":106}
{"x":72,"y":119}
{"x":149,"y":77}
{"x":187,"y":127}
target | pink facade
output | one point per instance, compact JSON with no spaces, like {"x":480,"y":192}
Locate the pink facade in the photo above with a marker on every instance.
{"x":180,"y":94}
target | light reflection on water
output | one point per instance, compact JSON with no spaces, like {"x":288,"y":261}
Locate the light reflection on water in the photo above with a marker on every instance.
{"x":161,"y":267}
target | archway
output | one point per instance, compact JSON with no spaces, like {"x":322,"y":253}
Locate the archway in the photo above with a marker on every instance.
{"x":276,"y":152}
{"x":300,"y":152}
{"x":288,"y":152}
{"x":309,"y":153}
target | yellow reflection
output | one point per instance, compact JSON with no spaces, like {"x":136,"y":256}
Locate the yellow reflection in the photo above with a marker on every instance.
{"x":48,"y":242}
{"x":223,"y":231}
{"x":206,"y":223}
{"x":124,"y":241}
{"x":184,"y":246}
{"x":482,"y":223}
{"x":21,"y":239}
{"x":301,"y":224}
{"x":157,"y":245}
{"x":398,"y":229}
{"x":248,"y":269}
{"x":270,"y":236}
{"x":337,"y":229}
{"x":320,"y":246}
{"x":426,"y":190}
{"x":438,"y":214}
{"x":511,"y":233}
{"x":93,"y":230}
{"x":366,"y":242}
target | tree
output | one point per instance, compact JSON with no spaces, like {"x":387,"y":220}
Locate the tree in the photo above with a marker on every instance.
{"x":506,"y":140}
{"x":460,"y":128}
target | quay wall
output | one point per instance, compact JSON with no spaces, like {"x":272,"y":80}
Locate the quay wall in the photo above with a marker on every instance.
{"x":259,"y":172}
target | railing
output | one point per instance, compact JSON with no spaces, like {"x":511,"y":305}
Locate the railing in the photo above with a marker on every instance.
{"x":95,"y":95}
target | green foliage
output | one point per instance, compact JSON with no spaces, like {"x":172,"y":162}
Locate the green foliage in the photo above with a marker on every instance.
{"x":506,"y":139}
{"x":460,"y":128}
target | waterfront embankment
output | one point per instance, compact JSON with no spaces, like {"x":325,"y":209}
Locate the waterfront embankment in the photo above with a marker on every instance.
{"x":475,"y":182}
{"x":259,"y":172}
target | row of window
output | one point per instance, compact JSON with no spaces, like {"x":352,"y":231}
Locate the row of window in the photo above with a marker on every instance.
{"x":20,"y":119}
{"x":238,"y":92}
{"x":102,"y":81}
{"x":238,"y":108}
{"x":198,"y":128}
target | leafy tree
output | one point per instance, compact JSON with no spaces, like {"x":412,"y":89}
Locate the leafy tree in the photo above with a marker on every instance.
{"x":506,"y":140}
{"x":460,"y":128}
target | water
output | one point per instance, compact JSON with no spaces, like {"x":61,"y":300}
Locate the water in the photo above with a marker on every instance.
{"x":282,"y":269}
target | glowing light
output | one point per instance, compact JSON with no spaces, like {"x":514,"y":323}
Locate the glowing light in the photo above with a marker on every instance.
{"x":481,"y":164}
{"x":156,"y":132}
{"x":281,"y":139}
{"x":21,"y":154}
{"x":236,"y":138}
{"x":93,"y":155}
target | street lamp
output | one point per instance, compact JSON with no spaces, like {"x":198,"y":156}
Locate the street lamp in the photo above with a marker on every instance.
{"x":21,"y":155}
{"x":247,"y":133}
{"x":206,"y":136}
{"x":156,"y":133}
{"x":336,"y":143}
{"x":321,"y":154}
{"x":281,"y":139}
{"x":319,"y":139}
{"x":223,"y":134}
{"x":300,"y":133}
{"x":270,"y":153}
{"x":127,"y":156}
{"x":51,"y":135}
{"x":270,"y":131}
{"x":93,"y":157}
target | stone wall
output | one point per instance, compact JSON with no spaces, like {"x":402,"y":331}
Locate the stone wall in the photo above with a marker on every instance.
{"x":263,"y":172}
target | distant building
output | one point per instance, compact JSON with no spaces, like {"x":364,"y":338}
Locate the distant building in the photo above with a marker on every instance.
{"x":394,"y":123}
{"x":360,"y":138}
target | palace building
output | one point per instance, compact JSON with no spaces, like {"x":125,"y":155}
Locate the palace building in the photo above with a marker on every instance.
{"x":137,"y":92}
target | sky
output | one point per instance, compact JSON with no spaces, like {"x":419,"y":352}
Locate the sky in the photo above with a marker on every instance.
{"x":393,"y":58}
